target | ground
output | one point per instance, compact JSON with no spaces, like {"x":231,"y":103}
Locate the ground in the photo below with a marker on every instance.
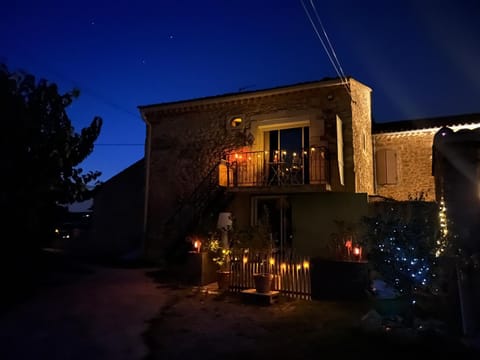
{"x":210,"y":326}
{"x":97,"y":312}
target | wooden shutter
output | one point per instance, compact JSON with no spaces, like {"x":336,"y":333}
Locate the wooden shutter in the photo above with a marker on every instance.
{"x":386,"y":167}
{"x":340,"y":150}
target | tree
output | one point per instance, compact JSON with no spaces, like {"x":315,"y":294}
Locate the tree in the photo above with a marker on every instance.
{"x":401,"y":240}
{"x":40,"y":154}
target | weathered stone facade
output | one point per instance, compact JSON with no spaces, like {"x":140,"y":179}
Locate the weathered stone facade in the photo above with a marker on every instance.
{"x":411,"y":141}
{"x":414,"y":164}
{"x":362,"y":140}
{"x":185,"y":140}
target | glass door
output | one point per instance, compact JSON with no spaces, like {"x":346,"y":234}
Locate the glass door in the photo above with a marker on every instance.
{"x":276,"y":214}
{"x":287,"y":156}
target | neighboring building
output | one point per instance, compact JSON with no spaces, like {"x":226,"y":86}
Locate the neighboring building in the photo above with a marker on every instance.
{"x":456,"y":168}
{"x":403,"y":155}
{"x":117,"y":225}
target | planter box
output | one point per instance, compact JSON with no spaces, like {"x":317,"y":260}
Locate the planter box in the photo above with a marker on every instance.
{"x":336,"y":279}
{"x":199,"y":269}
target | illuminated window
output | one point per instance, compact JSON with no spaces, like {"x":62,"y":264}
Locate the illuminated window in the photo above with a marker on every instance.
{"x":236,"y":121}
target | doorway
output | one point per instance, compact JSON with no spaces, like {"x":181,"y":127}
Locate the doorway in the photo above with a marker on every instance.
{"x":276,"y":213}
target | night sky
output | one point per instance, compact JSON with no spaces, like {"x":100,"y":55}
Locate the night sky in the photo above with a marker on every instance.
{"x":420,"y":57}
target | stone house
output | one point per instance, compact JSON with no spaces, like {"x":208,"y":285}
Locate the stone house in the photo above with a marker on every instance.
{"x":300,"y":157}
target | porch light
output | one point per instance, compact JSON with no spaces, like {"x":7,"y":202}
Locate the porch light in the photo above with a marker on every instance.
{"x":236,"y":121}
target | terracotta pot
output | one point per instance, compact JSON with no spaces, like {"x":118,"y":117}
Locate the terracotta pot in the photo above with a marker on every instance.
{"x":263,"y":282}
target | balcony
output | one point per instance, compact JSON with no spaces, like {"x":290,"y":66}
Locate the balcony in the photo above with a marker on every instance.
{"x":262,"y":169}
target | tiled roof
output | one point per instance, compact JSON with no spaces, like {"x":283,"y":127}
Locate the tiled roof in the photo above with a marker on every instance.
{"x":425,"y":123}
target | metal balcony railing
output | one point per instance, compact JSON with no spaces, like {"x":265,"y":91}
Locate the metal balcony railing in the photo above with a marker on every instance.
{"x":280,"y":168}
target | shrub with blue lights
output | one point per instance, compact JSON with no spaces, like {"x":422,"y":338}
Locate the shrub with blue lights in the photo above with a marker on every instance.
{"x":401,"y":242}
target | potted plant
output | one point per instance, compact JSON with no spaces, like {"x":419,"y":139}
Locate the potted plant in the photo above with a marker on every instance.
{"x":220,"y":255}
{"x":258,"y":246}
{"x":342,"y":272}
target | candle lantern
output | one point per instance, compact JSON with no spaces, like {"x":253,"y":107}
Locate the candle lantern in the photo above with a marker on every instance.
{"x":357,"y":253}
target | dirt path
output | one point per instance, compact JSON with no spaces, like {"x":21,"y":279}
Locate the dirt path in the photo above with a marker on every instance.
{"x":102,"y":315}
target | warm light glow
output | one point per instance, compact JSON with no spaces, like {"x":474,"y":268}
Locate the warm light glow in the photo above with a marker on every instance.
{"x":442,"y":215}
{"x":272,"y":261}
{"x":312,"y":149}
{"x":223,"y":176}
{"x":245,"y":259}
{"x":197,"y":244}
{"x":299,"y":267}
{"x":294,"y":154}
{"x":306,"y":264}
{"x":236,"y":121}
{"x":57,"y":231}
{"x":283,"y":267}
{"x":357,"y":252}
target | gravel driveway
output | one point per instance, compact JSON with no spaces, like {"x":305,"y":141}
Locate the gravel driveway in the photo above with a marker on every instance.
{"x":101,"y":314}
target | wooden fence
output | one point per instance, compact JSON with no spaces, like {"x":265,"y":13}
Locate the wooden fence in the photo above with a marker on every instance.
{"x":291,"y":273}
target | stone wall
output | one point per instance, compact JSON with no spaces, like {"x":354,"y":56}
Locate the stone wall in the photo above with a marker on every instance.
{"x":362,"y":139}
{"x":414,"y":164}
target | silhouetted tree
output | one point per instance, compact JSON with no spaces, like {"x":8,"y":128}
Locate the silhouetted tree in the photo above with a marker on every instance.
{"x":40,"y":154}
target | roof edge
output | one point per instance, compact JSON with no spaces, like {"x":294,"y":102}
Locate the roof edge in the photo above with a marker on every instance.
{"x":425,"y":123}
{"x":208,"y":100}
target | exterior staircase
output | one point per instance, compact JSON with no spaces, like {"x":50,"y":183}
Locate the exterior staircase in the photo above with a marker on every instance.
{"x":200,"y":208}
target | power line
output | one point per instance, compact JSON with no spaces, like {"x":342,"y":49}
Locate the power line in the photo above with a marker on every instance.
{"x":99,"y":97}
{"x":328,"y":40}
{"x":119,"y":144}
{"x":338,"y":69}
